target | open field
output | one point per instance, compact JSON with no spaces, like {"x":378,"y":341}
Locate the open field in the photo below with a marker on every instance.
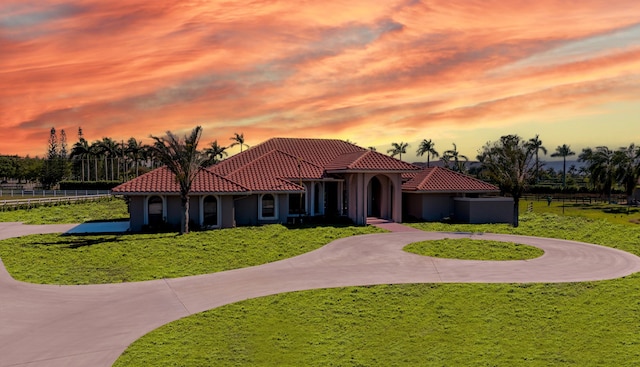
{"x":614,"y":213}
{"x":569,"y":324}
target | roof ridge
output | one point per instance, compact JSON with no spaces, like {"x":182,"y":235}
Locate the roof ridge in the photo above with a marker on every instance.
{"x":364,"y":153}
{"x":296,"y":157}
{"x":464,"y":175}
{"x":261,"y":157}
{"x":225,"y":178}
{"x":290,"y":182}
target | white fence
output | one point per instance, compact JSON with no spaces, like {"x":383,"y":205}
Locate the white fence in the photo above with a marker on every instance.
{"x":31,"y":202}
{"x":54,"y":193}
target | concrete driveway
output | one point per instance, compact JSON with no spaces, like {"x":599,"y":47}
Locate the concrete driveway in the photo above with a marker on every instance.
{"x":46,"y":325}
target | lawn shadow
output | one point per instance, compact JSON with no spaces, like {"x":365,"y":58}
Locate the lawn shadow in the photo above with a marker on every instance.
{"x":79,"y":241}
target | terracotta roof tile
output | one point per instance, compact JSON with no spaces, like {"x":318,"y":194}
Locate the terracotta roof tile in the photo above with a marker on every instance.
{"x":315,"y":151}
{"x":270,"y":171}
{"x":439,"y":179}
{"x":161,"y":180}
{"x":368,"y":160}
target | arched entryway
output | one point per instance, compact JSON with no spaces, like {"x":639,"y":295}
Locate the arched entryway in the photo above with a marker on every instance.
{"x":374,"y":200}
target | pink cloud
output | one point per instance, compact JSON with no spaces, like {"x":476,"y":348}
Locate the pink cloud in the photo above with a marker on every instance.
{"x":134,"y":68}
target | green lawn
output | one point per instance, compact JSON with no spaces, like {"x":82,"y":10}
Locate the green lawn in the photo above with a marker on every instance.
{"x":91,"y":259}
{"x":468,"y":249}
{"x":614,"y":213}
{"x":104,"y":209}
{"x":568,"y":324}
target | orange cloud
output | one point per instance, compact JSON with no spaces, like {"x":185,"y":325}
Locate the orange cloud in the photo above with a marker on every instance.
{"x":135,"y":68}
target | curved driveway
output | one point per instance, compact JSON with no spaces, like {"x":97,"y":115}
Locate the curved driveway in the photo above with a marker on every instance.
{"x":46,"y":325}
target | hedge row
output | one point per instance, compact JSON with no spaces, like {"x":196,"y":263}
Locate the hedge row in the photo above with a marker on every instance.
{"x":88,"y":185}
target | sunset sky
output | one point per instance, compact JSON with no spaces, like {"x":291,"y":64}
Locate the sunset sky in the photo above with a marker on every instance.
{"x":373,"y":72}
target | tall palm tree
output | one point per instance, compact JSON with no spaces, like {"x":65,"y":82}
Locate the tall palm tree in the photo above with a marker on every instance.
{"x":563,"y":151}
{"x":215,"y":153}
{"x":627,"y":162}
{"x":110,"y":151}
{"x":238,"y":139}
{"x":95,"y":152}
{"x":81,"y":150}
{"x":182,"y":158}
{"x":426,"y":146}
{"x":453,"y":154}
{"x":536,"y":145}
{"x":134,"y":150}
{"x":398,"y":149}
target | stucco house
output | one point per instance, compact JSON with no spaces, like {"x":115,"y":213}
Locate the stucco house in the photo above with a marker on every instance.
{"x":284,"y":179}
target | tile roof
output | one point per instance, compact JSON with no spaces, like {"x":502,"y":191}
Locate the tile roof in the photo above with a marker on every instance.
{"x":161,"y":180}
{"x":319,"y":152}
{"x":279,"y":164}
{"x":439,"y":179}
{"x":368,"y":160}
{"x":276,"y":171}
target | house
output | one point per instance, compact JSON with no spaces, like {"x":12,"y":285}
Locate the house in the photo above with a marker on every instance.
{"x":285,"y":179}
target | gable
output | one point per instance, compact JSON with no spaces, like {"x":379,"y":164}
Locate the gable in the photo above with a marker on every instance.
{"x":275,"y":171}
{"x":318,"y":152}
{"x":368,"y":160}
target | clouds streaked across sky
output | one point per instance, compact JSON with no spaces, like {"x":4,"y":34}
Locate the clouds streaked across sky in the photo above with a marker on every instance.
{"x":462,"y":72}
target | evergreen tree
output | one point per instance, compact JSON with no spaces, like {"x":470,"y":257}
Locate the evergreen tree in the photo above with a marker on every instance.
{"x":53,"y":167}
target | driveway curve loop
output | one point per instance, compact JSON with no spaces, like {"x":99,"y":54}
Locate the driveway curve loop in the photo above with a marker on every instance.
{"x":91,"y":325}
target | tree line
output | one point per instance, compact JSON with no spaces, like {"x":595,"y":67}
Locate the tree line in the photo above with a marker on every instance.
{"x":106,"y":160}
{"x":604,"y":169}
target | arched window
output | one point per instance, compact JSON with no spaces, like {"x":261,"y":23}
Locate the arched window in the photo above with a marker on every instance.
{"x":210,"y":211}
{"x":268,"y":206}
{"x":154,"y":210}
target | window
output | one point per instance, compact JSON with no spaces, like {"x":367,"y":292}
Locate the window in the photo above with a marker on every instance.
{"x":154,"y":210}
{"x":210,"y":211}
{"x":297,"y":204}
{"x":267,"y":206}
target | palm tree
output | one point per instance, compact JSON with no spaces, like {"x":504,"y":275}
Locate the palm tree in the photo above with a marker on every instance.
{"x":508,"y":163}
{"x":109,"y":150}
{"x":95,"y":151}
{"x":238,"y":139}
{"x":182,"y":158}
{"x":563,"y":151}
{"x":602,"y":168}
{"x":627,"y":162}
{"x":536,"y":145}
{"x":134,"y":150}
{"x":215,"y":153}
{"x":426,"y":146}
{"x":82,"y":151}
{"x":398,"y":149}
{"x":453,"y":154}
